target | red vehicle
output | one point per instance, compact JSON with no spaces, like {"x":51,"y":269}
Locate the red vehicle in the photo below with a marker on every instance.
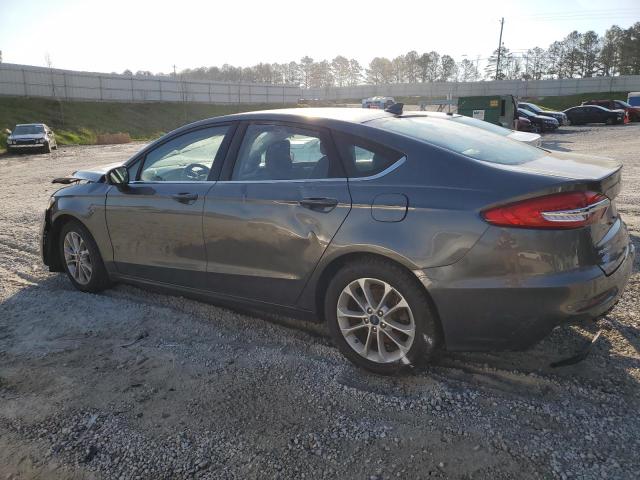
{"x":632,"y":112}
{"x":523,"y":124}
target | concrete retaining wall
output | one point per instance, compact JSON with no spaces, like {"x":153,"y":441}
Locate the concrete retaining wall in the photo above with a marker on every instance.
{"x":22,"y":80}
{"x":533,"y":88}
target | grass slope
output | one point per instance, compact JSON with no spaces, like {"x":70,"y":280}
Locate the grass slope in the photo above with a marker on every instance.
{"x":80,"y":122}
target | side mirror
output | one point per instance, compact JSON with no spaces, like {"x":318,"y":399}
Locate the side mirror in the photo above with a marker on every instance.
{"x":118,"y":176}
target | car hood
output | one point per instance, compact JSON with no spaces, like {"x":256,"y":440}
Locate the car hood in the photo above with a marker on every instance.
{"x":551,"y":112}
{"x":94,"y":175}
{"x":526,"y":137}
{"x":573,"y":166}
{"x":27,"y":136}
{"x":544,"y":117}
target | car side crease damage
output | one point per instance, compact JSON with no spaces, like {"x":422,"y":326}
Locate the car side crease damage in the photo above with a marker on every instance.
{"x":405,"y":232}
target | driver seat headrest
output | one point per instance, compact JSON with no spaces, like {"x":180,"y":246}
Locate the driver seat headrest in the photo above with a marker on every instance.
{"x":278,"y":159}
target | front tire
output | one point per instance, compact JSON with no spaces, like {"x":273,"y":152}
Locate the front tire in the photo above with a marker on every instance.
{"x":81,"y":258}
{"x":380,"y":318}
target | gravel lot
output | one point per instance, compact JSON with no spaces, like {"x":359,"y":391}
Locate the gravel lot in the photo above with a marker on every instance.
{"x":211,"y":393}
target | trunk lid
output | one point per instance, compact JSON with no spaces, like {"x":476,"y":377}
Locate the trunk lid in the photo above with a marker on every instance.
{"x":609,"y":236}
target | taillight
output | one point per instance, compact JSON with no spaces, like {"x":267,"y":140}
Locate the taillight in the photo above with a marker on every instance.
{"x":559,"y":210}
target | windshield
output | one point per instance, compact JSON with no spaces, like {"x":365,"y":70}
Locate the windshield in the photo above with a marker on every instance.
{"x":525,"y":113}
{"x":533,"y":107}
{"x":489,"y":127}
{"x":622,"y":103}
{"x":28,"y":129}
{"x":464,"y":139}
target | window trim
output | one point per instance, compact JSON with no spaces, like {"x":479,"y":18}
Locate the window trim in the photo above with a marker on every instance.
{"x":216,"y":165}
{"x":324,"y":134}
{"x":397,"y":164}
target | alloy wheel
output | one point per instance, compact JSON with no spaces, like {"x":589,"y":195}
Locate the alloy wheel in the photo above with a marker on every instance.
{"x":77,"y":258}
{"x":376,"y":320}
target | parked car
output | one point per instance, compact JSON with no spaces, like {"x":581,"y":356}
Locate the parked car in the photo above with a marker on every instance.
{"x":632,"y":112}
{"x":405,"y":233}
{"x":378,"y":102}
{"x":523,"y":124}
{"x":536,"y":109}
{"x":539,"y":123}
{"x":594,"y":114}
{"x":31,"y":136}
{"x":526,"y":137}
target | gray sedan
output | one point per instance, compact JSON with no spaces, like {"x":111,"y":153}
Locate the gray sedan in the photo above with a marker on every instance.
{"x":405,"y":233}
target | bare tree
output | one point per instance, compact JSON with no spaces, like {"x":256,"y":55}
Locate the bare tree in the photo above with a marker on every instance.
{"x":340,"y":69}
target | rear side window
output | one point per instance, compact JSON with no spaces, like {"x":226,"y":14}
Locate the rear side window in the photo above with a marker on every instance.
{"x":466,"y":140}
{"x":363,"y":158}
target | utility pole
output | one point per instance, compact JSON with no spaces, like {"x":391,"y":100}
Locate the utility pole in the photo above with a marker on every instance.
{"x":499,"y":48}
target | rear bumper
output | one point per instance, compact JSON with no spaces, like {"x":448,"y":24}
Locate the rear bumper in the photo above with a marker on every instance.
{"x":517,"y":311}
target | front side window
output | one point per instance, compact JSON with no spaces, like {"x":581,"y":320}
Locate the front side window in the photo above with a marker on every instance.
{"x":282,"y":152}
{"x":188,"y":157}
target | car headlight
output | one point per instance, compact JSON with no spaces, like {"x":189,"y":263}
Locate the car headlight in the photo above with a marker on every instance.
{"x":40,"y":140}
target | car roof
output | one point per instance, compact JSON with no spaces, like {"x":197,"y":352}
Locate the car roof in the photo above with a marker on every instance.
{"x":30,"y":125}
{"x":355,"y":115}
{"x":319,"y":116}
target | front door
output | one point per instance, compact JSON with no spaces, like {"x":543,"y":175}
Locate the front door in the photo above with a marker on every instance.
{"x":155,"y":223}
{"x":269,"y":220}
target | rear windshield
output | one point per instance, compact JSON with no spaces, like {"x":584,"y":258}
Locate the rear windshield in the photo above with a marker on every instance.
{"x":464,"y":139}
{"x":489,"y":127}
{"x":28,"y":129}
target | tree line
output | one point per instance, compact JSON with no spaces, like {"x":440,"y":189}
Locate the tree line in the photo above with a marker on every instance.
{"x":578,"y":55}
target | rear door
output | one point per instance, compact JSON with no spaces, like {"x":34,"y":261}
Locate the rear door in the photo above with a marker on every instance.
{"x":280,"y":200}
{"x":598,"y":114}
{"x":155,"y":223}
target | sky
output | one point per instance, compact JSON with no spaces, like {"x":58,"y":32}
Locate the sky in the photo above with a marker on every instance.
{"x":115,"y":35}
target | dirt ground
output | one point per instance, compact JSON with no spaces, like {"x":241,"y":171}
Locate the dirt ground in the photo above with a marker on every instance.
{"x":206,"y":392}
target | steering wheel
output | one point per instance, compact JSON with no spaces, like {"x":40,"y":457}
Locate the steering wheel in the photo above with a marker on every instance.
{"x":196,"y":171}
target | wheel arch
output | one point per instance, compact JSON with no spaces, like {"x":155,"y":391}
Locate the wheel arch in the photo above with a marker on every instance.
{"x":340,"y":261}
{"x":53,"y":236}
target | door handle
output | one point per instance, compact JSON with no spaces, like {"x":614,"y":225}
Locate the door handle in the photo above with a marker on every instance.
{"x":319,"y":204}
{"x":186,"y":198}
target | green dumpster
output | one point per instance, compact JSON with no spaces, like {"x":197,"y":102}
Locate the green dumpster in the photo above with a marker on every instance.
{"x":498,"y":109}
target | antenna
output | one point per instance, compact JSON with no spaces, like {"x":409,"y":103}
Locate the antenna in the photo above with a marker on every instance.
{"x":396,"y":108}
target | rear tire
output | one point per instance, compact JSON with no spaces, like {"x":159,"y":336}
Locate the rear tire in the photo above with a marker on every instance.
{"x":81,"y":258}
{"x":388,"y":337}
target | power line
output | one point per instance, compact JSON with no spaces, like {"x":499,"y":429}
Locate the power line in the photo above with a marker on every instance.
{"x":591,"y":13}
{"x":499,"y":48}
